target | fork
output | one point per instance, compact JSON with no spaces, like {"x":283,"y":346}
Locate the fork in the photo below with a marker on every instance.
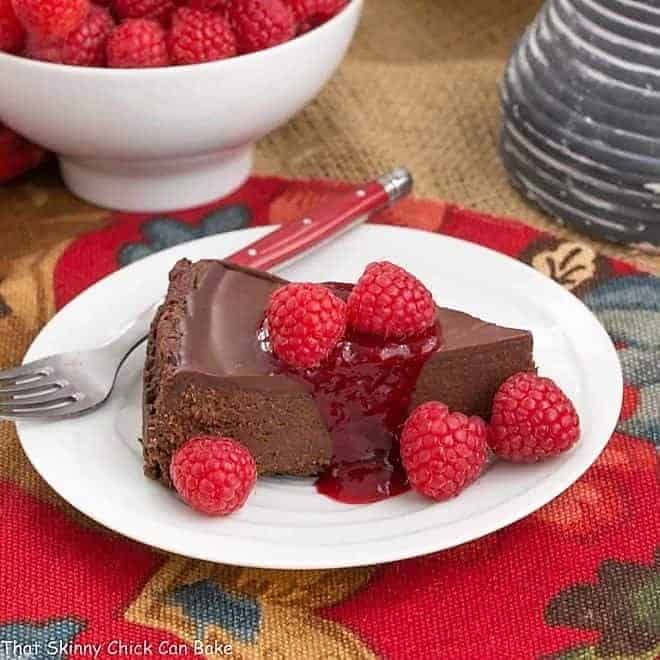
{"x":70,"y":384}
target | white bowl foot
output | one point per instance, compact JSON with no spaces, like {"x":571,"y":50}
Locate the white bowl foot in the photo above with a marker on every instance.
{"x":157,"y":185}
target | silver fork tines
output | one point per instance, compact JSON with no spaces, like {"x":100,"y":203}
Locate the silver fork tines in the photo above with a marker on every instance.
{"x":71,"y":383}
{"x":59,"y":386}
{"x":35,"y":388}
{"x":30,"y":387}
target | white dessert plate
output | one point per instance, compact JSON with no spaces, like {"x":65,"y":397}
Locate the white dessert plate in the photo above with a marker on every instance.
{"x":94,"y":462}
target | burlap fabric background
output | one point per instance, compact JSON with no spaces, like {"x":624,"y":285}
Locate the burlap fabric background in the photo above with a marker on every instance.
{"x":419,"y":88}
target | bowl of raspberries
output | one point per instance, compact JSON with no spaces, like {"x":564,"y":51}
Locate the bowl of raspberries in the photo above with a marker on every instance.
{"x":154,"y":105}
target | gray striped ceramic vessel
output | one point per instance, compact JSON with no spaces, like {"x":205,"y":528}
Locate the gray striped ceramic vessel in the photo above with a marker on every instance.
{"x":581,"y":116}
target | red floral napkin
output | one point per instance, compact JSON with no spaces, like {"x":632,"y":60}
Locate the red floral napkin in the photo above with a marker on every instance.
{"x":579,"y":578}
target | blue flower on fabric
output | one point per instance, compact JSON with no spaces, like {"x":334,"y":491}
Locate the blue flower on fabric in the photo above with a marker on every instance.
{"x":162,"y":233}
{"x":629,"y":308}
{"x":205,"y":603}
{"x":38,"y":641}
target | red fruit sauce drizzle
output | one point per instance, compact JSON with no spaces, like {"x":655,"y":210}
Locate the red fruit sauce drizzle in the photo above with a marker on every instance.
{"x":363,"y":390}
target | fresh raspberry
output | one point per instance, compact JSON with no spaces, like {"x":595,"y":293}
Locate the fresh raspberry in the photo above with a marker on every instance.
{"x":532,"y":419}
{"x":12,"y":34}
{"x":213,"y":475}
{"x":17,"y":155}
{"x":157,"y":10}
{"x":209,"y":5}
{"x":200,"y":36}
{"x":85,"y":46}
{"x":442,"y":452}
{"x":45,"y":51}
{"x":390,"y":302}
{"x":136,"y":43}
{"x":260,"y":24}
{"x":311,"y":13}
{"x":51,"y":20}
{"x":305,"y":322}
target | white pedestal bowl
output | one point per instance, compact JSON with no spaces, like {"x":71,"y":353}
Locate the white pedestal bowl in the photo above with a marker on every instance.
{"x":167,"y":138}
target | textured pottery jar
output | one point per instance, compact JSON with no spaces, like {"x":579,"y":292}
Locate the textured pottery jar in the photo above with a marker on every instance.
{"x":581,"y":117}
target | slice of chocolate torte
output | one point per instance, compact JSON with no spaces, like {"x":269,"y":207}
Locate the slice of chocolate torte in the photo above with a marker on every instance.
{"x":209,"y":371}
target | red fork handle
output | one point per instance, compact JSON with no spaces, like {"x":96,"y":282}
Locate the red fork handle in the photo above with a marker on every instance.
{"x":296,"y":238}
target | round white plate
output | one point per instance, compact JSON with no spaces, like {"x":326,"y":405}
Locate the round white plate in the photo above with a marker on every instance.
{"x":94,"y":462}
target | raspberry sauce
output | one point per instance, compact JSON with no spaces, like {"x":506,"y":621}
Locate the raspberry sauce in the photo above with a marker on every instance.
{"x":363,"y":390}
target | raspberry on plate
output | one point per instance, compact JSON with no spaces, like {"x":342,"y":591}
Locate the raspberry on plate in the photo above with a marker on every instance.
{"x":12,"y":34}
{"x":50,"y":20}
{"x":442,"y":452}
{"x":157,"y":10}
{"x":213,"y":475}
{"x":312,"y":13}
{"x":137,"y":43}
{"x":389,"y":302}
{"x":85,"y":46}
{"x":200,"y":36}
{"x":305,"y":322}
{"x":260,"y":24}
{"x":532,"y":419}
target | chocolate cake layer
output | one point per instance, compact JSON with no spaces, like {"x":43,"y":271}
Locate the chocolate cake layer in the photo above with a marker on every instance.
{"x":206,"y":373}
{"x":475,"y":359}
